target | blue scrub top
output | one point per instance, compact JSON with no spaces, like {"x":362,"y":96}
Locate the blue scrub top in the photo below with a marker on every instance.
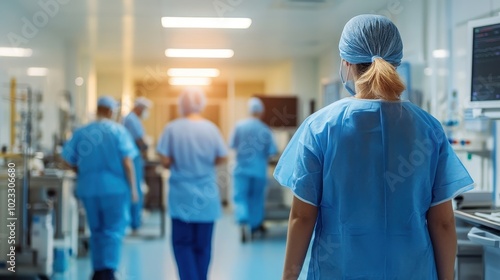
{"x":254,"y":144}
{"x":134,"y":126}
{"x":193,"y":146}
{"x":98,"y":150}
{"x":373,"y":169}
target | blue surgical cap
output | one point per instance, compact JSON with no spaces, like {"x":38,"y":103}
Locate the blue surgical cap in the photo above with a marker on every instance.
{"x":191,"y":100}
{"x":366,"y":37}
{"x":108,"y":102}
{"x":255,"y":105}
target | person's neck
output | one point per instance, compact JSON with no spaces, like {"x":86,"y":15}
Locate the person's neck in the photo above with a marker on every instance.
{"x":136,"y":111}
{"x":101,"y":117}
{"x":194,"y":117}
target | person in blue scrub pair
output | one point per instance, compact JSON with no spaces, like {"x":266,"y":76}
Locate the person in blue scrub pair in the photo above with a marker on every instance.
{"x":254,"y":144}
{"x":134,"y":126}
{"x":373,"y":175}
{"x":102,"y":154}
{"x":191,"y":147}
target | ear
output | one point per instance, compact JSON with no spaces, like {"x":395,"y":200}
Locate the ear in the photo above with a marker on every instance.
{"x":346,"y":63}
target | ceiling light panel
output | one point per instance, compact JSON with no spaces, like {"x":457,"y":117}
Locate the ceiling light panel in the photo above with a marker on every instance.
{"x":37,"y":71}
{"x":200,"y":53}
{"x":189,"y":81}
{"x":205,"y":22}
{"x":15,"y":52}
{"x":193,"y":72}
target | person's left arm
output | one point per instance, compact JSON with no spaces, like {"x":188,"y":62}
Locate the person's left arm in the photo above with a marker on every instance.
{"x":70,"y":153}
{"x":128,"y":152}
{"x":164,"y":146}
{"x":135,"y":127}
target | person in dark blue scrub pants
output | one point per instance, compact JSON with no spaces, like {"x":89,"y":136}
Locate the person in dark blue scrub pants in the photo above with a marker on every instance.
{"x":191,"y":147}
{"x":133,"y":124}
{"x":101,"y":153}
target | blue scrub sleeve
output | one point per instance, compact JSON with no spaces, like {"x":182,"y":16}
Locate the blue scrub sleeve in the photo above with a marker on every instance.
{"x":134,"y":126}
{"x":70,"y":152}
{"x":451,"y":177}
{"x":126,"y":144}
{"x":300,"y":167}
{"x":163,"y":143}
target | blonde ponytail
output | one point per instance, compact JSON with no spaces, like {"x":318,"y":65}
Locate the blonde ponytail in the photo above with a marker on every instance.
{"x":379,"y":81}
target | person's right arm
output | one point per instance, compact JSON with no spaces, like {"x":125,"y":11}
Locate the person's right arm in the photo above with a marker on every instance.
{"x":130,"y":171}
{"x":143,"y":147}
{"x":441,"y":224}
{"x":300,"y":228}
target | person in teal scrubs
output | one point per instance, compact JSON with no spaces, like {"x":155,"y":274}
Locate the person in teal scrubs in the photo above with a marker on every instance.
{"x":254,"y":144}
{"x":102,"y":153}
{"x":373,"y":175}
{"x":191,"y":147}
{"x":132,"y":123}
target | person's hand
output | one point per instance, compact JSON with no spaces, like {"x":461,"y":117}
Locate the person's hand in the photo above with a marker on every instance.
{"x":135,"y":196}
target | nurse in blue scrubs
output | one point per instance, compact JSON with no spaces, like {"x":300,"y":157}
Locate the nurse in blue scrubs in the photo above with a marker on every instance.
{"x":373,"y":175}
{"x":254,"y":144}
{"x":102,"y":154}
{"x":191,"y":147}
{"x":132,"y":123}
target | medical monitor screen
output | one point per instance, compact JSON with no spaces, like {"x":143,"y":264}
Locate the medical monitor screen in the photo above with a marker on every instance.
{"x":485,"y":84}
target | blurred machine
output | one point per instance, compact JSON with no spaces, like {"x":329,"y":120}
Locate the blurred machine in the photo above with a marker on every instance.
{"x":484,"y":73}
{"x":41,"y":207}
{"x":50,"y":216}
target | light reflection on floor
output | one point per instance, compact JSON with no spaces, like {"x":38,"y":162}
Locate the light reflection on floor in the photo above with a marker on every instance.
{"x":151,"y":258}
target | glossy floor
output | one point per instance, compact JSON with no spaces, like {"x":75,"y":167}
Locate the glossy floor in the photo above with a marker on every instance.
{"x":150,"y":257}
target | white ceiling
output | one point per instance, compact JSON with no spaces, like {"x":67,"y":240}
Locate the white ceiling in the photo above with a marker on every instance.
{"x":128,"y":33}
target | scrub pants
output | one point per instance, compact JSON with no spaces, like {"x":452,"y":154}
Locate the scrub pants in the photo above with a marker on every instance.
{"x":107,"y":217}
{"x":136,"y":208}
{"x":192,"y":244}
{"x":249,"y":199}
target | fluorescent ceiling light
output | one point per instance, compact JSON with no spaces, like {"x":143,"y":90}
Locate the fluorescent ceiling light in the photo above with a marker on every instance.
{"x":16,"y":52}
{"x":442,"y":53}
{"x":193,"y":72}
{"x":205,"y":22}
{"x":189,"y":81}
{"x":200,"y":53}
{"x":37,"y":71}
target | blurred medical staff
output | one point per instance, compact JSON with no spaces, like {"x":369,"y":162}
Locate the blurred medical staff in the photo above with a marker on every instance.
{"x":191,"y":147}
{"x":254,"y":144}
{"x":133,"y":124}
{"x":101,"y":153}
{"x":374,"y":175}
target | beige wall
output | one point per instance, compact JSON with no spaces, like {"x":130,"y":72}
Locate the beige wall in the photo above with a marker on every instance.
{"x":279,"y":79}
